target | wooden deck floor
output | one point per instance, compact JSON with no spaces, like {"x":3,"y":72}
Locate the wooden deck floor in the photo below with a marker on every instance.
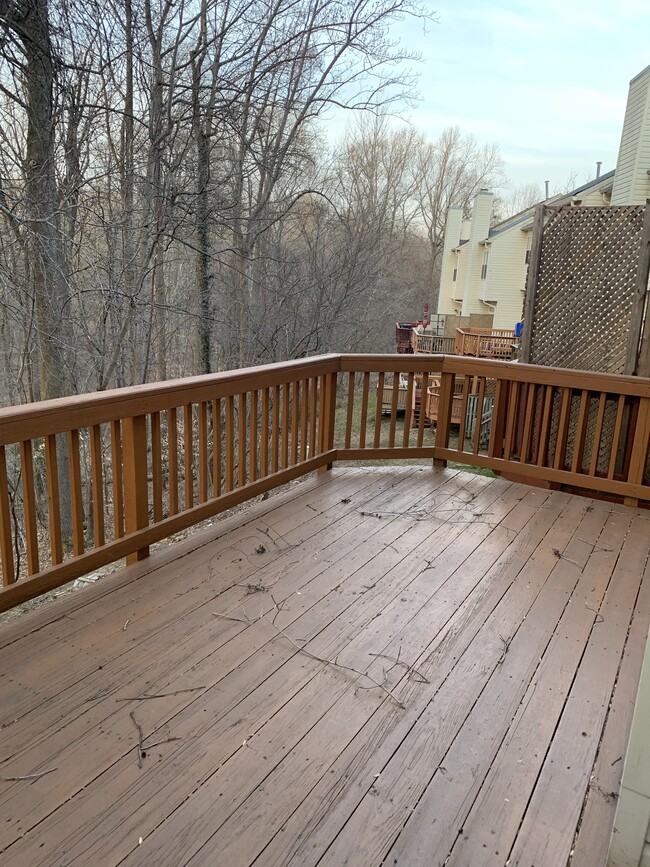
{"x":505,"y":624}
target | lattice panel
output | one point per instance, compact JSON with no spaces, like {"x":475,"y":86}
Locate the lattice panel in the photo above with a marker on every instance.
{"x":583,"y":302}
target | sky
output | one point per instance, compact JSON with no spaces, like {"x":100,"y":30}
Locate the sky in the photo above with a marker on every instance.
{"x":547,"y":81}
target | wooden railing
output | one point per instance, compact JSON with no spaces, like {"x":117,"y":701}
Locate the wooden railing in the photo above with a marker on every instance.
{"x":432,"y":344}
{"x":485,"y":342}
{"x":124,"y":469}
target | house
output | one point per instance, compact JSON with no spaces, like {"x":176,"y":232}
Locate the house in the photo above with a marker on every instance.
{"x":484,"y":266}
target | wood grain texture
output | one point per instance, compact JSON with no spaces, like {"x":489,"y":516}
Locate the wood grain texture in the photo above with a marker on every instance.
{"x":282,"y":760}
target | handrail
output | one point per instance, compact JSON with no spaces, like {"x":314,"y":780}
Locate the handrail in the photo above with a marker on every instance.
{"x":432,"y":343}
{"x":484,"y":342}
{"x":87,"y":480}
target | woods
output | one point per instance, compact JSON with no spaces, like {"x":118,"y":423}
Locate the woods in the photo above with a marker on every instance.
{"x":170,"y":202}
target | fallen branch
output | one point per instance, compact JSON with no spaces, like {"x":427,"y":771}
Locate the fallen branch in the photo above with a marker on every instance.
{"x":561,"y":556}
{"x":162,"y":694}
{"x":36,"y":776}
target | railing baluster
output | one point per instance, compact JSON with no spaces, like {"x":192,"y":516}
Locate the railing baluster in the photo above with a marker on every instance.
{"x":393,"y":411}
{"x":476,"y":445}
{"x":286,"y":426}
{"x":618,"y":424}
{"x":408,"y":410}
{"x":156,"y":467}
{"x":172,"y":439}
{"x":545,"y":426}
{"x":304,"y":419}
{"x":443,"y":423}
{"x":241,"y":440}
{"x":252,"y":450}
{"x":424,"y":387}
{"x":380,"y":395}
{"x":203,"y":452}
{"x":76,"y":496}
{"x":581,"y":433}
{"x":350,"y":410}
{"x":53,"y":499}
{"x":97,"y":475}
{"x":188,"y":448}
{"x":559,"y":458}
{"x":117,"y":482}
{"x":598,"y":433}
{"x":6,"y":544}
{"x":498,"y":425}
{"x":230,"y":443}
{"x":313,"y":403}
{"x":275,"y":430}
{"x":364,"y":410}
{"x":29,"y":506}
{"x":216,"y":447}
{"x":463,"y":413}
{"x":264,"y":436}
{"x":511,"y":420}
{"x":529,"y":418}
{"x":295,"y":407}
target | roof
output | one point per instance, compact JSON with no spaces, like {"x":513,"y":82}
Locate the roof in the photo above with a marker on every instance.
{"x":525,"y":217}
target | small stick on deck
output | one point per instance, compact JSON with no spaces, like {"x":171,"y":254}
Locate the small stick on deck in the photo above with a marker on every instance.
{"x":506,"y":645}
{"x":162,"y":694}
{"x":36,"y":776}
{"x":561,"y":556}
{"x":140,"y":738}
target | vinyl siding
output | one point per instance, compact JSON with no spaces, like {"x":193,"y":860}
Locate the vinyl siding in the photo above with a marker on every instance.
{"x":632,"y":182}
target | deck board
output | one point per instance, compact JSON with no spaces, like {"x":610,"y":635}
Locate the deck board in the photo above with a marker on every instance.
{"x":280,"y":759}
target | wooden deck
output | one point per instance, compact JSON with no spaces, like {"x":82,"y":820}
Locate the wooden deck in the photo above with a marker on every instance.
{"x":505,"y":625}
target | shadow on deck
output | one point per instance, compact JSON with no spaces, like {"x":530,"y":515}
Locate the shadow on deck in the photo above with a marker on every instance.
{"x":502,"y":628}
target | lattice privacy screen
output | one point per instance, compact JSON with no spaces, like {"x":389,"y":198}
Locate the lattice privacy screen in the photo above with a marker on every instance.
{"x":583,"y":299}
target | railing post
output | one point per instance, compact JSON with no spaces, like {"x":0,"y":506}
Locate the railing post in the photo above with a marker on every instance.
{"x":640,"y":447}
{"x":327,"y":422}
{"x":136,"y":495}
{"x":443,"y":424}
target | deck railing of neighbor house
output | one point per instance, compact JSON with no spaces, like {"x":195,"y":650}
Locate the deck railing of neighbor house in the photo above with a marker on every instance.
{"x":432,"y":344}
{"x":484,"y":342}
{"x":137,"y":465}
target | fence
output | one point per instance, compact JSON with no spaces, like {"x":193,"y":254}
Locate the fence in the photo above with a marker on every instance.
{"x":145,"y":462}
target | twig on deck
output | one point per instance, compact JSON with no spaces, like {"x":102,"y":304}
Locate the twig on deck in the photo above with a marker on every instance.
{"x":140,"y":737}
{"x":36,"y":776}
{"x":158,"y":743}
{"x":596,"y":612}
{"x":336,"y":664}
{"x":418,"y":515}
{"x":322,"y":659}
{"x":254,"y":588}
{"x":561,"y":556}
{"x":162,"y":694}
{"x":398,"y":661}
{"x":506,"y":646}
{"x":126,"y":623}
{"x":275,"y":541}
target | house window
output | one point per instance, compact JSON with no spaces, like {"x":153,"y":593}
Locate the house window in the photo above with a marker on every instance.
{"x":455,"y":274}
{"x":528,"y":256}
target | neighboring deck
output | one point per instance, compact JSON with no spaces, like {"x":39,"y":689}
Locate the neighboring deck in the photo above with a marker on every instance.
{"x":506,"y":624}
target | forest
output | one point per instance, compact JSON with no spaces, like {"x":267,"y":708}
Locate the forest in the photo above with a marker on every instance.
{"x":171,"y":201}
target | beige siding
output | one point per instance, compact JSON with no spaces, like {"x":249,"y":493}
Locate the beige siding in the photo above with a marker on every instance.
{"x":631,"y":182}
{"x":481,"y":214}
{"x":449,"y":261}
{"x":506,"y":279}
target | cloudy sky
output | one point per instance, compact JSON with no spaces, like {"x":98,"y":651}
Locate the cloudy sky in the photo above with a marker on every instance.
{"x":546,"y":80}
